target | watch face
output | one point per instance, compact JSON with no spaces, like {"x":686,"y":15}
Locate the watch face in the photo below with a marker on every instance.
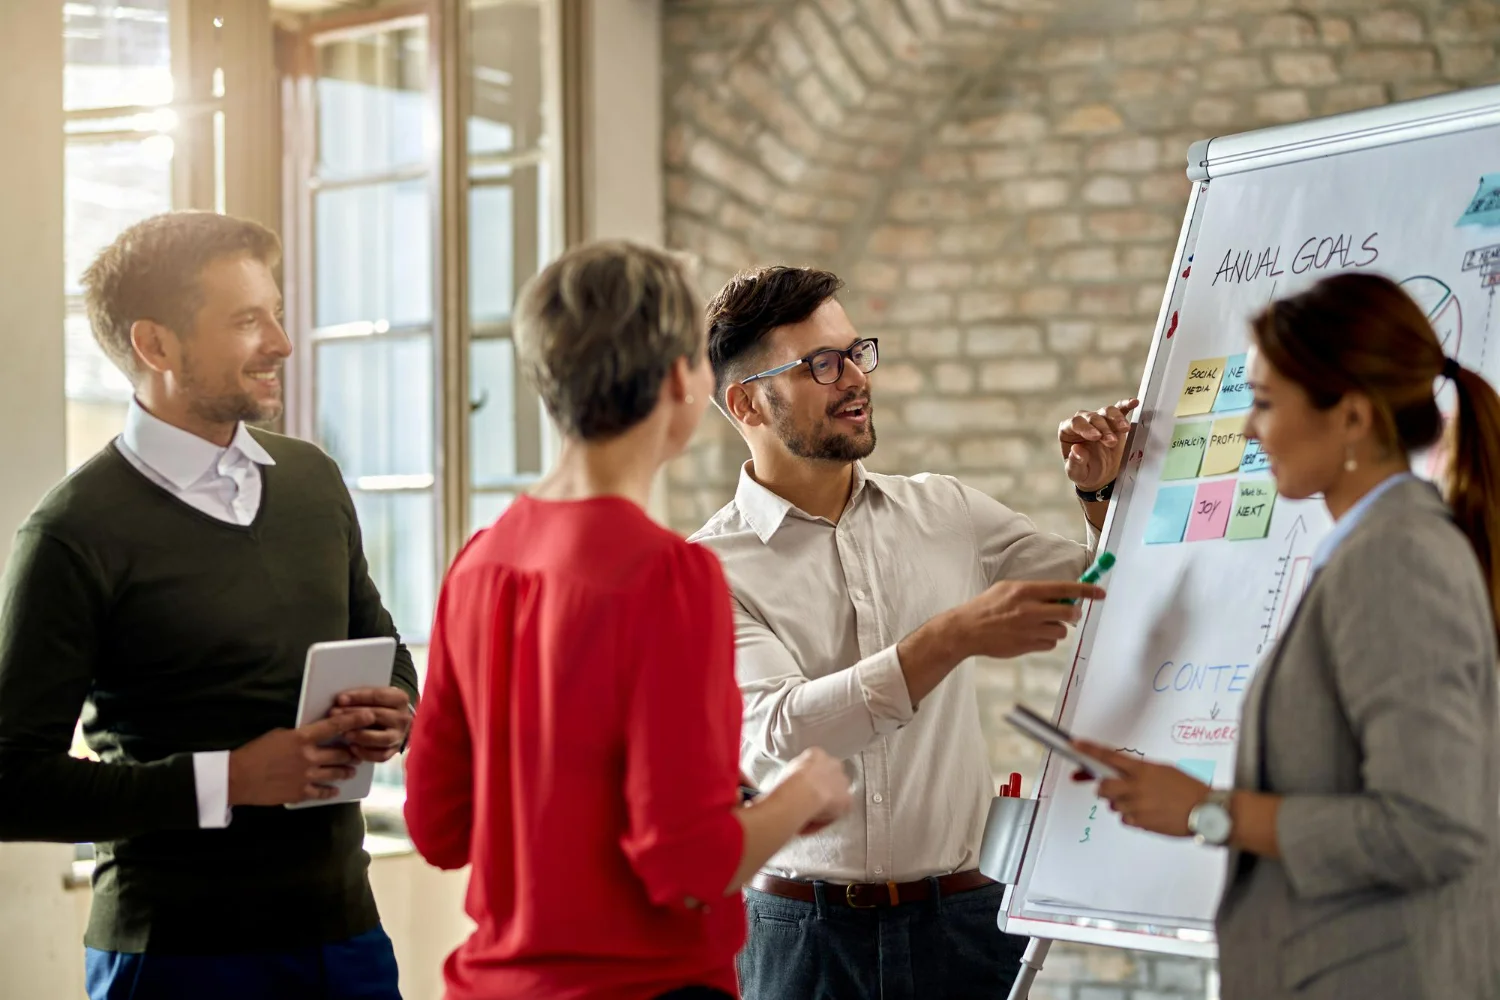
{"x":1210,"y":822}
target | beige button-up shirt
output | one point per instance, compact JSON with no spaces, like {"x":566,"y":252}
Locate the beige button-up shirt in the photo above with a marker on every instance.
{"x":819,"y":609}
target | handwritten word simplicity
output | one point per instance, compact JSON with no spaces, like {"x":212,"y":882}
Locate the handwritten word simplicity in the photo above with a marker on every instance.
{"x":1318,"y":253}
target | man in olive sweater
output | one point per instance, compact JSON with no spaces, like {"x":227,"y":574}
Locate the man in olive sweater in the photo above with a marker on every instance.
{"x":168,"y":590}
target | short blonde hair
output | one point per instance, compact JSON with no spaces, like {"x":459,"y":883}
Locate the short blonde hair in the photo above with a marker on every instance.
{"x":598,"y":330}
{"x":151,"y":272}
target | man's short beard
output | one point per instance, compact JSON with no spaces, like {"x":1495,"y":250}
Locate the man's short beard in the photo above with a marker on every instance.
{"x":822,"y":447}
{"x":227,"y":407}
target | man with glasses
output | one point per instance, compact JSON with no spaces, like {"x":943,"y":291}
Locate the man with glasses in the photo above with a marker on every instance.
{"x":860,"y":601}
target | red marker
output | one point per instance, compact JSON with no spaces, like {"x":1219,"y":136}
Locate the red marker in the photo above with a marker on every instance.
{"x":1015,"y":785}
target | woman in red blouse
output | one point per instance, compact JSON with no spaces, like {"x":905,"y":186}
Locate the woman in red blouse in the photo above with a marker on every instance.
{"x":580,"y":724}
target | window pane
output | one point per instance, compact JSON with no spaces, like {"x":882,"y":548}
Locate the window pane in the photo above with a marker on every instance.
{"x":108,"y":187}
{"x":371,"y":102}
{"x":484,"y":508}
{"x":374,"y":405}
{"x":492,"y":412}
{"x":116,"y":54}
{"x":506,"y":83}
{"x":399,"y":546}
{"x":509,"y":238}
{"x":98,"y":393}
{"x":374,"y":255}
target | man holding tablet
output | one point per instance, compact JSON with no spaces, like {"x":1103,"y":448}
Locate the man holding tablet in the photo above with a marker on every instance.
{"x":169,"y":590}
{"x":860,"y":601}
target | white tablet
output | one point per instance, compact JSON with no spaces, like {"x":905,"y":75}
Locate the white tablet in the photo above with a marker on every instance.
{"x":1057,"y":740}
{"x":333,"y":668}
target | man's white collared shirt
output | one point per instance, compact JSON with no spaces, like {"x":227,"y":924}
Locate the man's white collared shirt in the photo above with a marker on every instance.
{"x":819,"y":609}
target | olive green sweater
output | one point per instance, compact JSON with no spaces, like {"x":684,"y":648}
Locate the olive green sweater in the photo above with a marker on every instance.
{"x":175,"y":632}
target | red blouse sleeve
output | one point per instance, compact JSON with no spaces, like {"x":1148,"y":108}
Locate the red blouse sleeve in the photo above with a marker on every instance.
{"x":440,"y":758}
{"x":682,"y":734}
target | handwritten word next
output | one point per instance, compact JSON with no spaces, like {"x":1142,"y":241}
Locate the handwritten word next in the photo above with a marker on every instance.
{"x":1220,"y":678}
{"x":1317,"y":253}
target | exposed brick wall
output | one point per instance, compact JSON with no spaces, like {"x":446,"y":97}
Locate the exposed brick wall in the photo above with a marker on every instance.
{"x":1001,"y":182}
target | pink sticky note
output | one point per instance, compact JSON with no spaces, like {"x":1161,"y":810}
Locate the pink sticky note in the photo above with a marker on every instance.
{"x":1211,"y":508}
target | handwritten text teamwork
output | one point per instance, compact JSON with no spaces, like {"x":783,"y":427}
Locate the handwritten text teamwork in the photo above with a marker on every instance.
{"x":1316,"y":254}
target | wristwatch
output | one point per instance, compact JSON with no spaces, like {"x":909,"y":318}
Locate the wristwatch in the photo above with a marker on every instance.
{"x":1100,"y":495}
{"x":1210,"y":822}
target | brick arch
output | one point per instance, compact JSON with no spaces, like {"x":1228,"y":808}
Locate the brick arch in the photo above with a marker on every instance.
{"x":785,"y":138}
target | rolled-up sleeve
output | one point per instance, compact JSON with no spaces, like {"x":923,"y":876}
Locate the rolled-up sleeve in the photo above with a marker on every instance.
{"x":1410,"y":660}
{"x":787,"y":712}
{"x":682,"y":738}
{"x":1011,"y":548}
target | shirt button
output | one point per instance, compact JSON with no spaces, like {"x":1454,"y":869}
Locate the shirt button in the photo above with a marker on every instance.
{"x":877,"y":798}
{"x":857,"y":594}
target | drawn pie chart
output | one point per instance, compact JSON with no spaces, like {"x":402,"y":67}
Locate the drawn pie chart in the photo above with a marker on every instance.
{"x":1441,"y":306}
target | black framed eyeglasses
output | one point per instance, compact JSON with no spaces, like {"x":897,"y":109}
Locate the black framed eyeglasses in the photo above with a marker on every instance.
{"x":827,"y":366}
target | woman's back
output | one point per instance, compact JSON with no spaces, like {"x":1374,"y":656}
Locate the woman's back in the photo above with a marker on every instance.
{"x":581,"y":753}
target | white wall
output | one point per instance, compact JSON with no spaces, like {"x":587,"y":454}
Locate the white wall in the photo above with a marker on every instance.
{"x":39,"y":955}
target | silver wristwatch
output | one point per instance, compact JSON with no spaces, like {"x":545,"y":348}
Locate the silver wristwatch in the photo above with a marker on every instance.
{"x":1210,"y":822}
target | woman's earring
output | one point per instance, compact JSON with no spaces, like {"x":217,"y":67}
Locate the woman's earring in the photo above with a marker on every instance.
{"x":688,"y":399}
{"x":1349,"y":463}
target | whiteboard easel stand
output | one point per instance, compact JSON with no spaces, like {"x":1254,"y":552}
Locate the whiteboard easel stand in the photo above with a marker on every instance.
{"x":1005,"y":831}
{"x":1031,"y":964}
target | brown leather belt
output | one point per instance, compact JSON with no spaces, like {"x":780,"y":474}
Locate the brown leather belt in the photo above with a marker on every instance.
{"x":870,"y":895}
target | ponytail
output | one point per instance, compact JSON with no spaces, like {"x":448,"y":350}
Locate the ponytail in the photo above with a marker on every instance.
{"x":1474,"y":473}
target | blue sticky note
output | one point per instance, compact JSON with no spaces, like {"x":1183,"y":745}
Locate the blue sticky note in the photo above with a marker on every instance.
{"x":1170,"y":515}
{"x":1484,"y":209}
{"x":1203,"y":770}
{"x":1255,"y":460}
{"x":1234,"y":389}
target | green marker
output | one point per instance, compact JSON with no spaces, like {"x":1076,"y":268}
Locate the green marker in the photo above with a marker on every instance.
{"x":1103,"y":563}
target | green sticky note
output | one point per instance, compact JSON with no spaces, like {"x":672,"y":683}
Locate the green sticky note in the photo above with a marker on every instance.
{"x":1251,"y":515}
{"x":1186,"y":453}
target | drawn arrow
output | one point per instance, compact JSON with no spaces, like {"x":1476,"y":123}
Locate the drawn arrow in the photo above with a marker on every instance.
{"x":1214,"y":712}
{"x":1297,"y":525}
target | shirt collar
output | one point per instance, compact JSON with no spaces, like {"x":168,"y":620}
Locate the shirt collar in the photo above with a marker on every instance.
{"x":1345,"y":525}
{"x":180,"y":457}
{"x":764,"y":510}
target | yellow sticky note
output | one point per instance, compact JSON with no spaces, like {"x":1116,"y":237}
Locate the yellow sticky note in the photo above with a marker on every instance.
{"x":1202,"y":386}
{"x":1226,"y":446}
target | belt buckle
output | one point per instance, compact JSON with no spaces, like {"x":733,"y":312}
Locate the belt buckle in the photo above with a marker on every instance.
{"x":849,"y":898}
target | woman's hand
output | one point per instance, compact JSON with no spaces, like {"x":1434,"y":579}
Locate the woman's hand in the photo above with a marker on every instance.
{"x":1149,"y":796}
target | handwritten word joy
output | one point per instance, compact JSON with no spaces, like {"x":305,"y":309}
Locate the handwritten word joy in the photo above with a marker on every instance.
{"x":1316,"y":254}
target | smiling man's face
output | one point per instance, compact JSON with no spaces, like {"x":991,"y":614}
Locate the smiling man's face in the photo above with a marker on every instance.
{"x":830,"y":423}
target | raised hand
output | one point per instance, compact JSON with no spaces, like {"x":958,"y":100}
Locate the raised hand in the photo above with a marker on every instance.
{"x":1093,"y":443}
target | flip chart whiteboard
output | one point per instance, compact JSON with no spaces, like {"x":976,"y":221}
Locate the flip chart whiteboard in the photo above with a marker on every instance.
{"x":1211,"y":561}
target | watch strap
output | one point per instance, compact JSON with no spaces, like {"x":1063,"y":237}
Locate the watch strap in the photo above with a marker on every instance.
{"x":1100,"y":495}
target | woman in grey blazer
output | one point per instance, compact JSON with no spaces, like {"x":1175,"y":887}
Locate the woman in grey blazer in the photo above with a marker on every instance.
{"x":1363,"y":857}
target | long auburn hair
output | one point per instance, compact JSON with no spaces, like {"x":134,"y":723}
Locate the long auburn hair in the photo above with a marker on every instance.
{"x":1355,"y":332}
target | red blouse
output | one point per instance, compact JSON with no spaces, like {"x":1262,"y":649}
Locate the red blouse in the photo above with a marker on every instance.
{"x":577,"y":744}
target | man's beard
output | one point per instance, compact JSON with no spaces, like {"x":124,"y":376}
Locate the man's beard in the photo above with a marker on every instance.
{"x":820,"y":445}
{"x":230,"y":406}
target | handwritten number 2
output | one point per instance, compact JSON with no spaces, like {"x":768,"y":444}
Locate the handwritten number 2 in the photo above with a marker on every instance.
{"x":1093,"y":811}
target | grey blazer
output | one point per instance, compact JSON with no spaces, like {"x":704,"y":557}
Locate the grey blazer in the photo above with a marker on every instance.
{"x":1376,"y":718}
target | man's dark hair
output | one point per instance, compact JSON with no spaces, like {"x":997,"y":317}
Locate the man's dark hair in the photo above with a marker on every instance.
{"x":753,"y":304}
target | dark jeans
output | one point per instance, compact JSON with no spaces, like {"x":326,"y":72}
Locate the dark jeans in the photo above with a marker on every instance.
{"x":361,"y":968}
{"x":947,"y":947}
